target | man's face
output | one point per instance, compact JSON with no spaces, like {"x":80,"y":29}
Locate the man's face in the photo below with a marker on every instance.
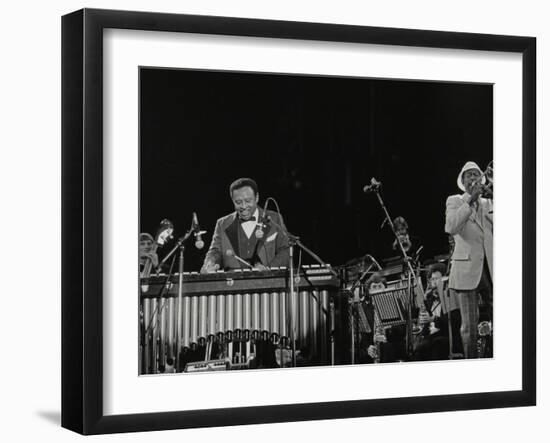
{"x":435,"y":279}
{"x":145,"y":245}
{"x":245,"y":202}
{"x":402,"y":234}
{"x":470,"y":178}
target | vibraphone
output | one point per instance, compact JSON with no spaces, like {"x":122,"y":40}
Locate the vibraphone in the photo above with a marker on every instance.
{"x":238,"y":307}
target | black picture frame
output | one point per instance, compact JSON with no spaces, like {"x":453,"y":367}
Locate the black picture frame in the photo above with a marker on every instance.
{"x":82,"y":218}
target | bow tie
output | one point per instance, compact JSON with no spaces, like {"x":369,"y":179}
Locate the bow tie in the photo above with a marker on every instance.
{"x":251,"y":219}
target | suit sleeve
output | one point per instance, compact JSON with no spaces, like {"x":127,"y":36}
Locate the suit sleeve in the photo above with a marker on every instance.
{"x":456,"y":214}
{"x":214,"y":254}
{"x":281,"y":246}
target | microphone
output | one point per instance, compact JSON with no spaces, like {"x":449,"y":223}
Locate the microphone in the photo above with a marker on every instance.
{"x":199,"y":244}
{"x":260,"y":225}
{"x":374,"y":186}
{"x":230,"y":253}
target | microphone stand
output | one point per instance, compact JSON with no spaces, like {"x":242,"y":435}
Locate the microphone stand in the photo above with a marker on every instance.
{"x":364,"y":274}
{"x":153,"y":360}
{"x":180,"y":245}
{"x":354,"y":309}
{"x":293,"y":241}
{"x":411,"y":274}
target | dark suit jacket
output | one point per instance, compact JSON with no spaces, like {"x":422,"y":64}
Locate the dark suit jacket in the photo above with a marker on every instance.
{"x":442,"y":323}
{"x":272,"y":249}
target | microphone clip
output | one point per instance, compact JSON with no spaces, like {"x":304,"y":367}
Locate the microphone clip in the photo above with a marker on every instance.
{"x":374,"y":186}
{"x":262,"y":224}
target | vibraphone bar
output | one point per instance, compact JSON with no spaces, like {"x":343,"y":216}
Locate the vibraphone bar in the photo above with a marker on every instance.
{"x":234,"y":310}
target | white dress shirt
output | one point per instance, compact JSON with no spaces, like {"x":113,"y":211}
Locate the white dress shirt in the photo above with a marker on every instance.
{"x":249,"y":226}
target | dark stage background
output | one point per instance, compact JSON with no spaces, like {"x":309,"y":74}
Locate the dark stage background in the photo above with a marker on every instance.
{"x":312,"y":143}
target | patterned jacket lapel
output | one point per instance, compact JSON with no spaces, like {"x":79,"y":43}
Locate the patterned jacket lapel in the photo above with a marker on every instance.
{"x":260,"y":249}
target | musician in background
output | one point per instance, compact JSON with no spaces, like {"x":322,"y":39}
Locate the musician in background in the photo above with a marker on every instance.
{"x":242,"y":235}
{"x":410,"y":243}
{"x":365,"y":317}
{"x":376,"y":283}
{"x":469,"y":219}
{"x":146,"y":253}
{"x":390,"y":341}
{"x":433,"y":342}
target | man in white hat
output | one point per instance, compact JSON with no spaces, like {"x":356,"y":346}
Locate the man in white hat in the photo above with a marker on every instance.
{"x":469,"y":219}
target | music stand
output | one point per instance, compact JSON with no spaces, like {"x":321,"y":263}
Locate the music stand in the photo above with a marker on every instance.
{"x":390,"y":306}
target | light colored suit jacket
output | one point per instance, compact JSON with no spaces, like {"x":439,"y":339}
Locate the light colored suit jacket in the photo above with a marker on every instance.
{"x":473,"y":234}
{"x":272,"y":249}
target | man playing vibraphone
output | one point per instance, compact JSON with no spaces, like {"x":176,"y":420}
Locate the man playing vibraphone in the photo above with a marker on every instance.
{"x":248,"y":239}
{"x":243,"y":239}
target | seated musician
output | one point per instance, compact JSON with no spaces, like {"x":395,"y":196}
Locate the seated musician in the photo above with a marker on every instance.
{"x":390,"y":341}
{"x":239,"y":237}
{"x":433,"y":343}
{"x":146,"y":253}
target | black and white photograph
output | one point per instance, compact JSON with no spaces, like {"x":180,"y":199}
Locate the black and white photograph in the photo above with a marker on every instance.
{"x":292,"y":221}
{"x":270,"y":221}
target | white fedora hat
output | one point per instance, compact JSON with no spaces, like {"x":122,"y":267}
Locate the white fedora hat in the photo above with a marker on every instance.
{"x":467,"y":167}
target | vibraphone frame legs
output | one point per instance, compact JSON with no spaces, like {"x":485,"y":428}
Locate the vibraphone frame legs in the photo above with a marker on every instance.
{"x":179,"y":321}
{"x":208,"y":350}
{"x":293,"y":302}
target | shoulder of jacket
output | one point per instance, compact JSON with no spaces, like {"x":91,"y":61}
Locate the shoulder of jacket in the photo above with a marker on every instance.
{"x":226,"y":219}
{"x":485,"y":201}
{"x":455,"y":197}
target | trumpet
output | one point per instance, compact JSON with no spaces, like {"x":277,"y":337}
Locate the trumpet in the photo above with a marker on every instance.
{"x":486,"y":181}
